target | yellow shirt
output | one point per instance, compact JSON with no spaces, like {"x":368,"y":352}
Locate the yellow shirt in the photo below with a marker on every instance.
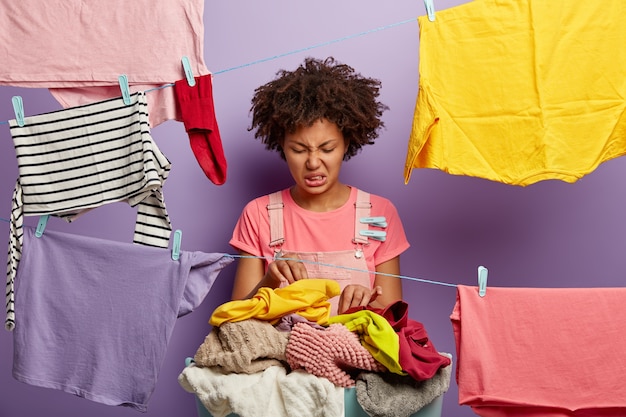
{"x":519,"y":91}
{"x":307,"y":297}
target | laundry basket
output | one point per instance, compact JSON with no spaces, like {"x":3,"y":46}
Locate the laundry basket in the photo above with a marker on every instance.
{"x":352,"y":407}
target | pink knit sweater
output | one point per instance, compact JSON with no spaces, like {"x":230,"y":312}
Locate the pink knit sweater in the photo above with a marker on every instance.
{"x":330,"y":353}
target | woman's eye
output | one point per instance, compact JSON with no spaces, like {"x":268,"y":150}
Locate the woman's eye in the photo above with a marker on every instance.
{"x":328,"y":150}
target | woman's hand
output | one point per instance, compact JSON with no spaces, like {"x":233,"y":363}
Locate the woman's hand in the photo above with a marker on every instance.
{"x":288,"y":268}
{"x":357,"y":296}
{"x":251,"y":274}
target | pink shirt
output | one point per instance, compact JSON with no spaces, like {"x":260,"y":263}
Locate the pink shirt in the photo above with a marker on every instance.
{"x":78,"y":48}
{"x":541,"y":352}
{"x":308,"y":231}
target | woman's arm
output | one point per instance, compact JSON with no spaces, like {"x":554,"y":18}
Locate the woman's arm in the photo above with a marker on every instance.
{"x":391,"y":286}
{"x":248,"y":277}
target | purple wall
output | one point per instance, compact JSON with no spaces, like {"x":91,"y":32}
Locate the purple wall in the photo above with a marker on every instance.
{"x":550,"y":234}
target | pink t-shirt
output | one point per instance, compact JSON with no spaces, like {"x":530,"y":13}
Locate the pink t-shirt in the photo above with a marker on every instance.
{"x":78,"y":48}
{"x":308,"y":231}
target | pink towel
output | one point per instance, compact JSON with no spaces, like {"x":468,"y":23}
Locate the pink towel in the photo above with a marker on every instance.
{"x":330,"y":353}
{"x":541,"y":352}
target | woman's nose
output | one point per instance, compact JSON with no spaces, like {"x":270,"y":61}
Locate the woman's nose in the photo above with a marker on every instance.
{"x":313,"y":160}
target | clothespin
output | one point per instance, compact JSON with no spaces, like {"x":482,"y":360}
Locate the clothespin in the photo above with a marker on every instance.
{"x":18,"y":107}
{"x":482,"y":280}
{"x":123,"y":80}
{"x":379,"y":221}
{"x":178,"y":235}
{"x":41,"y":225}
{"x":430,"y":9}
{"x":374,"y":234}
{"x":188,"y":72}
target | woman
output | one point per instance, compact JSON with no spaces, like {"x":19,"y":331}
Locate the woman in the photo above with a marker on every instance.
{"x":316,"y":117}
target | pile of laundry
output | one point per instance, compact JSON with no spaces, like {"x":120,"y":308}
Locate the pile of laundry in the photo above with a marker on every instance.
{"x":282,"y":352}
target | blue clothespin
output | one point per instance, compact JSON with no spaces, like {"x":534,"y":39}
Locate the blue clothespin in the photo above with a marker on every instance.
{"x":482,"y":280}
{"x":379,"y":221}
{"x":430,"y":9}
{"x":374,"y":234}
{"x":18,"y":107}
{"x":41,"y":225}
{"x":188,"y":72}
{"x":178,"y":235}
{"x":123,"y":80}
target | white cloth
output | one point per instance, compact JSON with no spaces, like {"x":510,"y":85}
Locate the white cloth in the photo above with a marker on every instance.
{"x":271,"y":393}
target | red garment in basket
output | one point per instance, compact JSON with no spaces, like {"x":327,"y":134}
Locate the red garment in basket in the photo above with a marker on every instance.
{"x":418,"y":356}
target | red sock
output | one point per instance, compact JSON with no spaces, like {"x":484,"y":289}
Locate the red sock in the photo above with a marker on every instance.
{"x":198,"y":115}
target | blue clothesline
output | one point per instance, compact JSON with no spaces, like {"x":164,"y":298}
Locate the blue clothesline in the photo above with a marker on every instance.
{"x":259,"y":61}
{"x":427,"y":281}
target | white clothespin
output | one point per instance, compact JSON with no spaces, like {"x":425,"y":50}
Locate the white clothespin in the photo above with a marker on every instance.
{"x":374,"y":234}
{"x":123,"y":80}
{"x":188,"y":72}
{"x":18,"y":107}
{"x":178,"y":236}
{"x":482,"y":280}
{"x":379,"y":221}
{"x":41,"y":225}
{"x":430,"y":9}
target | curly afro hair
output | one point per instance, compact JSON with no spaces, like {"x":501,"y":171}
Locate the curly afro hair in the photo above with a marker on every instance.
{"x":318,"y":89}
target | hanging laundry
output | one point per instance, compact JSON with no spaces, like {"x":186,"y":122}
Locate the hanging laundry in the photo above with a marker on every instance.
{"x":74,"y":160}
{"x":96,"y":316}
{"x":78,"y":48}
{"x":541,"y":352}
{"x":520,"y":91}
{"x":197,"y":112}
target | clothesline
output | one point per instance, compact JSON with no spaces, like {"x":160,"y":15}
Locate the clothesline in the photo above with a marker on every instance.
{"x":427,"y":281}
{"x":295,"y":51}
{"x":406,"y":277}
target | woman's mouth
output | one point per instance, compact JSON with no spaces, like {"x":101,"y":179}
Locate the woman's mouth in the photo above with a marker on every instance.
{"x":315,"y":180}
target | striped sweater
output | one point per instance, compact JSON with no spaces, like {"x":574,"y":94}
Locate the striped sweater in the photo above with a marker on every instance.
{"x":74,"y":160}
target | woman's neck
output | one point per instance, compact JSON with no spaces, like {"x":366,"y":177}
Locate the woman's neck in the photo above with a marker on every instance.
{"x":329,"y":200}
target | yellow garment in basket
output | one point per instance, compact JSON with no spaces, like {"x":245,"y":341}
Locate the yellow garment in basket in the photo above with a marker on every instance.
{"x":377,"y":336}
{"x":307,"y":297}
{"x":519,"y":91}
